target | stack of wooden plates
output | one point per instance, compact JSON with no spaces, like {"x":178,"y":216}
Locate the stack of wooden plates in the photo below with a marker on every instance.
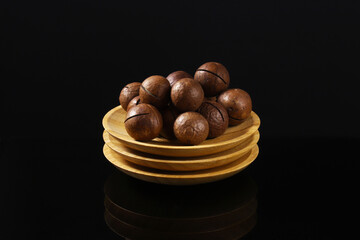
{"x":169,"y":162}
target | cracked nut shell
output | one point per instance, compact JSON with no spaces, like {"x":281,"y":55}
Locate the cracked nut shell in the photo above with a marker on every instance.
{"x":217,"y":117}
{"x":155,"y":90}
{"x":130,"y":91}
{"x":213,"y":77}
{"x":143,"y":122}
{"x":176,"y":76}
{"x":191,"y":128}
{"x":238,"y":104}
{"x":135,"y":101}
{"x":187,"y":95}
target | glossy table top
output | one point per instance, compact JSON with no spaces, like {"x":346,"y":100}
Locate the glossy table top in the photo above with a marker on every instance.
{"x":297,"y":188}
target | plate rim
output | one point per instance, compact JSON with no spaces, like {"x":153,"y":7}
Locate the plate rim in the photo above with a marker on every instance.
{"x":254,"y":141}
{"x":167,"y":176}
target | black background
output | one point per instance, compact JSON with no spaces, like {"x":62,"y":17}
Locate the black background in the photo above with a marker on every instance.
{"x":65,"y":62}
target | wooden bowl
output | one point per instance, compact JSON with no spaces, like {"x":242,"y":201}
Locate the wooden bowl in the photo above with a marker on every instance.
{"x":113,"y":123}
{"x":181,"y":163}
{"x":180,"y":178}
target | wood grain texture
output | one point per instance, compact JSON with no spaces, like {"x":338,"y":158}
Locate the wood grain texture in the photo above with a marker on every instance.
{"x":180,"y":178}
{"x":113,"y":123}
{"x":181,"y":163}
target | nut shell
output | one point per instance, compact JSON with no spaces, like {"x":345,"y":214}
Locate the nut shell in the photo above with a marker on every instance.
{"x":143,"y":122}
{"x":130,"y":91}
{"x":187,"y":95}
{"x":155,"y":90}
{"x":191,"y":128}
{"x":176,"y":76}
{"x":210,"y":99}
{"x":169,"y":115}
{"x":217,"y":117}
{"x":238,"y":104}
{"x":135,"y":101}
{"x":213,"y":77}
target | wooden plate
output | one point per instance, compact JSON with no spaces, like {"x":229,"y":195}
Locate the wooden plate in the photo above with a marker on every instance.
{"x":180,"y":178}
{"x":113,"y":123}
{"x":181,"y":163}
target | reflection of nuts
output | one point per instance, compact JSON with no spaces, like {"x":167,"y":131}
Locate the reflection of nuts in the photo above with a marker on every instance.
{"x":187,"y":95}
{"x":127,"y":93}
{"x":143,"y":122}
{"x":213,"y":77}
{"x":191,"y":128}
{"x":217,"y":117}
{"x":155,"y":90}
{"x":176,"y":76}
{"x":238,"y":104}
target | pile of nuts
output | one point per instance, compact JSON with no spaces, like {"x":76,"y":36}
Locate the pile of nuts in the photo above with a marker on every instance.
{"x":190,"y":109}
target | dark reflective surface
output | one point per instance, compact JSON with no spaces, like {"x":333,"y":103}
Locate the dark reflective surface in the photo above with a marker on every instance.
{"x":54,"y":189}
{"x":65,"y":62}
{"x":220,"y":210}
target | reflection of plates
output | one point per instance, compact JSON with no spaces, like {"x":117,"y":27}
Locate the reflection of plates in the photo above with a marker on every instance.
{"x":236,"y":229}
{"x":180,"y":178}
{"x":184,"y":163}
{"x":140,"y":210}
{"x":113,"y":123}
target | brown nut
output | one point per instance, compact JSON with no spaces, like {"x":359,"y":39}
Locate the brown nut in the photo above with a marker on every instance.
{"x":169,"y":115}
{"x":238,"y":104}
{"x":187,"y":95}
{"x":176,"y":76}
{"x":210,"y":99}
{"x":143,"y":122}
{"x":217,"y":117}
{"x":155,"y":90}
{"x":127,"y":93}
{"x":213,"y":77}
{"x":135,"y":101}
{"x":191,"y":128}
